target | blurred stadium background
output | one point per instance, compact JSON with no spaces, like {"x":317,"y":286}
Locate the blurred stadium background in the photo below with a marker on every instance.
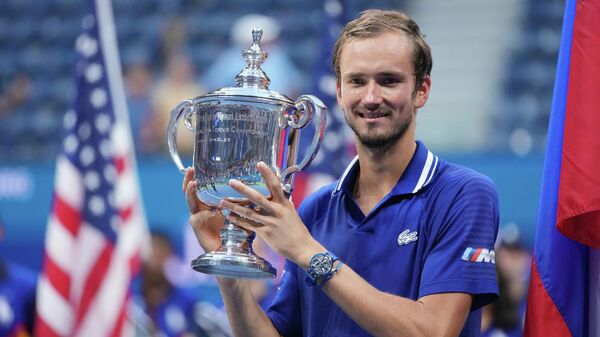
{"x":493,"y":74}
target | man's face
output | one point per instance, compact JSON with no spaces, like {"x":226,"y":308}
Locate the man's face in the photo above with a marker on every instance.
{"x":376,"y":89}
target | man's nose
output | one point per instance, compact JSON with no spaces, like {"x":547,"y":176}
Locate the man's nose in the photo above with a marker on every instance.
{"x":373,"y":97}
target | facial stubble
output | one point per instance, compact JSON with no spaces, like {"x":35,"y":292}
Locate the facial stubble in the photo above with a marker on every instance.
{"x":381,"y":143}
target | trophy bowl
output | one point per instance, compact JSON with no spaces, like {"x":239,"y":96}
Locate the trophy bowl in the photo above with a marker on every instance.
{"x":235,"y":128}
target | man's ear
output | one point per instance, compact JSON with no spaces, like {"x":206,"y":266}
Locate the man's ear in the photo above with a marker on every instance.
{"x":422,"y":94}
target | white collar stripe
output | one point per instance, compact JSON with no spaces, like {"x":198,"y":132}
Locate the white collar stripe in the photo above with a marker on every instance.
{"x":343,"y":177}
{"x":424,"y":172}
{"x":432,"y":171}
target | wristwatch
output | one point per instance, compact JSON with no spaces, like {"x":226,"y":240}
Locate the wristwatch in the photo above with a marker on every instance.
{"x":320,"y":268}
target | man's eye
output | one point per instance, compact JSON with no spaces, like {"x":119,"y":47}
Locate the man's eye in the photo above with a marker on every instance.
{"x":389,"y":81}
{"x":356,"y":81}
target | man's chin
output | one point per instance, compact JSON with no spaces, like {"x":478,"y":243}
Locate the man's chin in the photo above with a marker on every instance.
{"x":378,"y":142}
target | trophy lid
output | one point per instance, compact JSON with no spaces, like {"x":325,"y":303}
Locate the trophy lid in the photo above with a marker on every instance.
{"x":252,"y":81}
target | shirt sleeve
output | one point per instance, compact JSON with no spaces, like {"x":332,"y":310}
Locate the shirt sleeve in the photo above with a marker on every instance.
{"x":284,"y":312}
{"x":461,"y":257}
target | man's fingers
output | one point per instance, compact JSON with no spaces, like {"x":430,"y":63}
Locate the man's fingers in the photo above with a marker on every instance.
{"x":244,"y":223}
{"x":253,"y":195}
{"x":272,"y":181}
{"x":200,"y":219}
{"x":194,"y":204}
{"x":244,"y":212}
{"x":189,"y":175}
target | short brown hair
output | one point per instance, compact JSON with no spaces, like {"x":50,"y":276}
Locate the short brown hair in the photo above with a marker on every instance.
{"x":373,"y":22}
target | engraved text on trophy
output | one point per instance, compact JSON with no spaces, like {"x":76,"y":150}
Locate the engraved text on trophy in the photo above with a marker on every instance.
{"x":230,"y":142}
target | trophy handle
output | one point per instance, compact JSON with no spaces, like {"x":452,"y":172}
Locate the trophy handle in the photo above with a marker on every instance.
{"x":187,"y":107}
{"x":309,"y":106}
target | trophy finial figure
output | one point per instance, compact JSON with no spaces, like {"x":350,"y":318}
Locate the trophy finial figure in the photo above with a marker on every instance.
{"x":253,"y":75}
{"x":256,"y":35}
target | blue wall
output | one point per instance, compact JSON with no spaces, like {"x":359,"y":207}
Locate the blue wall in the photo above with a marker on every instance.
{"x":26,"y":193}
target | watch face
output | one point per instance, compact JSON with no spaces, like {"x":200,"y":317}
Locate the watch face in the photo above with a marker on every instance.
{"x":321,"y":264}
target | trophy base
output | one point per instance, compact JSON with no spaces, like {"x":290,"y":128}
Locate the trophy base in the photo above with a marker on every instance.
{"x":234,"y":265}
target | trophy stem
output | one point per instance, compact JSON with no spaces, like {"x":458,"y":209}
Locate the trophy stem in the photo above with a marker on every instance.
{"x":235,"y":257}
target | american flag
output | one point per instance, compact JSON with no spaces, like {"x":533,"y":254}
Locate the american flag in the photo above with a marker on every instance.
{"x":97,"y":229}
{"x":337,"y":148}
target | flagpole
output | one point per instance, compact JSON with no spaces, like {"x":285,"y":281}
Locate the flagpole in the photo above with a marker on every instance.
{"x":108,"y":36}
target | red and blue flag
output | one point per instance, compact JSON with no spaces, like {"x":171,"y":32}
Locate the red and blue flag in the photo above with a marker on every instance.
{"x":563,"y":291}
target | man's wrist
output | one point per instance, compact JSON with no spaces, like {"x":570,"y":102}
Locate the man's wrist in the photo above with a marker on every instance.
{"x":307,"y":253}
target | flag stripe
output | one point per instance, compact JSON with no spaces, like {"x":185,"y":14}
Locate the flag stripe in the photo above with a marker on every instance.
{"x":66,"y":215}
{"x":90,"y":244}
{"x":126,"y":214}
{"x":44,"y":330}
{"x":538,"y":315}
{"x":55,"y":312}
{"x":118,"y":330}
{"x":58,"y":277}
{"x":120,"y":164}
{"x":103,"y":313}
{"x":67,"y":183}
{"x":559,"y":263}
{"x":94,"y":280}
{"x":579,"y":192}
{"x":59,"y":244}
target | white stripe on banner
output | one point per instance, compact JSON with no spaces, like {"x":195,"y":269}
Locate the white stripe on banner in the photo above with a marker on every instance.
{"x":89,"y":246}
{"x":60,"y":244}
{"x":71,"y":192}
{"x":55,"y":307}
{"x":103,"y":312}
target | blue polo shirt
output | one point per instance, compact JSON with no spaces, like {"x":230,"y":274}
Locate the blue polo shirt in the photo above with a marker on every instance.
{"x":433,"y":233}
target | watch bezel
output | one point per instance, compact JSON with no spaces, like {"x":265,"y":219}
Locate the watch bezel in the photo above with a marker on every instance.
{"x":321,"y":264}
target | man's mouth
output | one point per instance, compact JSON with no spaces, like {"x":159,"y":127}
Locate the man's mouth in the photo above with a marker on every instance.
{"x":372,"y":115}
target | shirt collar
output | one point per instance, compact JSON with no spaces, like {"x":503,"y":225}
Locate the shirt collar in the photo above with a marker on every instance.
{"x":418,"y":173}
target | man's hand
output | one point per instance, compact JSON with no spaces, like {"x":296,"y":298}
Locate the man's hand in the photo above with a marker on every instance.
{"x":206,"y":222}
{"x":274,"y":219}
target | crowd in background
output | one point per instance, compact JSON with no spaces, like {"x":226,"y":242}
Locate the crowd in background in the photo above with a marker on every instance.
{"x":189,"y":48}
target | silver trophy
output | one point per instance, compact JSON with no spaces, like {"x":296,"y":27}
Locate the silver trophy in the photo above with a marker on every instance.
{"x":235,"y":128}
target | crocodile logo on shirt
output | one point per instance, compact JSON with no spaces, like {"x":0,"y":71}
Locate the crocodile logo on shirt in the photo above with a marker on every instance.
{"x":407,"y":237}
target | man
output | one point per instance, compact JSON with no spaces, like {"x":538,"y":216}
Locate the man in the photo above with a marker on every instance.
{"x":402,"y":244}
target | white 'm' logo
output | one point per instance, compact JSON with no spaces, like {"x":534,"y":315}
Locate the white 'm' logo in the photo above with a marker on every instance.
{"x":407,"y":237}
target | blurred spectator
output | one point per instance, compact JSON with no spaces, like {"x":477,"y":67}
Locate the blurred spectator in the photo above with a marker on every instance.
{"x":16,"y":95}
{"x":16,"y":115}
{"x":502,"y":318}
{"x":173,"y":38}
{"x":17,"y":297}
{"x":284,"y":75}
{"x":162,"y":309}
{"x":138,"y":80}
{"x":513,"y":260}
{"x":178,"y":83}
